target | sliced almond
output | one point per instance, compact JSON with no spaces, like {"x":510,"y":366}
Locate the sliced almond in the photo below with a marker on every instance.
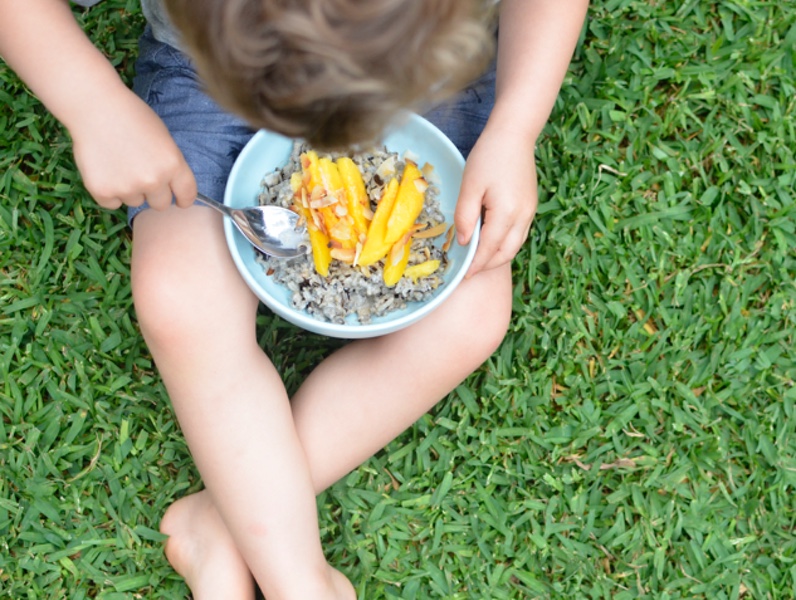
{"x":415,"y":228}
{"x":386,"y":169}
{"x":340,"y":231}
{"x":410,"y":156}
{"x":323,"y":202}
{"x":358,"y":249}
{"x":397,"y":250}
{"x":429,"y":174}
{"x":395,"y":253}
{"x":431,"y":232}
{"x":345,"y":254}
{"x":448,"y":239}
{"x":316,"y":219}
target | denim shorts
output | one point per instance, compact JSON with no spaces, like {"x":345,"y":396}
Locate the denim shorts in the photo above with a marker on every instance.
{"x":210,"y":138}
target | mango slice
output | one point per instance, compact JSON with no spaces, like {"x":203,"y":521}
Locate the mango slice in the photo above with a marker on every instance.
{"x":423,"y":269}
{"x":321,"y":252}
{"x":396,"y":262}
{"x":334,"y":212}
{"x":300,"y":184}
{"x":375,"y":248}
{"x":330,"y":176}
{"x":319,"y":241}
{"x":357,"y":201}
{"x":408,"y":204}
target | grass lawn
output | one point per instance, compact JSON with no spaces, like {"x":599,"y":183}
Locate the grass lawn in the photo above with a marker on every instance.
{"x":633,"y":437}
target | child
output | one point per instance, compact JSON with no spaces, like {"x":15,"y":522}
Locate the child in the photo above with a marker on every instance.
{"x":264,"y":456}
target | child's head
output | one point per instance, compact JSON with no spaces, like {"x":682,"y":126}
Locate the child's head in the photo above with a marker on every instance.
{"x":334,"y":72}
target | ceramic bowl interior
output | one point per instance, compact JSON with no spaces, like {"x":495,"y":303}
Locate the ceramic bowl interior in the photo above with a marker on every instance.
{"x":267,"y":151}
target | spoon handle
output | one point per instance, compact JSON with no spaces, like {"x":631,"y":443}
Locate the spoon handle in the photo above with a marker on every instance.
{"x":207,"y":201}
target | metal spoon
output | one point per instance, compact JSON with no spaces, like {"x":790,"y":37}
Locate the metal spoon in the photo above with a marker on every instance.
{"x":271,"y":229}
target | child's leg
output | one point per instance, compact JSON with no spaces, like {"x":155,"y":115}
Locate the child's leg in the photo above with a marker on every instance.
{"x":362,"y":397}
{"x":198,"y":318}
{"x":368,"y":392}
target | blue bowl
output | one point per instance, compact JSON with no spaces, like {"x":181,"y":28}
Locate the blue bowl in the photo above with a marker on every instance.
{"x":267,"y":151}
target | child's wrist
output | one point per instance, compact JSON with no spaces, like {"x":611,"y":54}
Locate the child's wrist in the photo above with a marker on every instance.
{"x":516,"y":122}
{"x":92,"y":106}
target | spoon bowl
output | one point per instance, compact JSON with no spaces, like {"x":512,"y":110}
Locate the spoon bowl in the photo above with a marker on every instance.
{"x":273,"y":230}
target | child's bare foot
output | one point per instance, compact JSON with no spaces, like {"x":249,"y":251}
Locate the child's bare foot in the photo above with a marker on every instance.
{"x":343,"y":587}
{"x":201,"y":550}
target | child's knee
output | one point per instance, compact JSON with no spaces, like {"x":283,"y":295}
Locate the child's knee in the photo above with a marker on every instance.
{"x":494,"y":319}
{"x":184,"y":303}
{"x":159,"y":300}
{"x":488,"y":314}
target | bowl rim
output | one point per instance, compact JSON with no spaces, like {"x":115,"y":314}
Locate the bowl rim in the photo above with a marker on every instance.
{"x":301,"y":318}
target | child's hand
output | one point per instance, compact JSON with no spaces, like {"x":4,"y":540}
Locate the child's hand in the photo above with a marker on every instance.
{"x":126,"y":155}
{"x":500,"y":185}
{"x":535,"y":45}
{"x":122,"y":149}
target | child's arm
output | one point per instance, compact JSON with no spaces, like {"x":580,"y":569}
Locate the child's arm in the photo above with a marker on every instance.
{"x":536,"y":42}
{"x":123,"y":150}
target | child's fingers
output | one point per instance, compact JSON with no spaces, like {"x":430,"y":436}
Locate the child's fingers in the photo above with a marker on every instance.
{"x":159,"y":199}
{"x":501,"y":239}
{"x":112,"y":199}
{"x":183,"y":186}
{"x":490,"y":241}
{"x":509,"y":247}
{"x":468,"y":210}
{"x":109,"y":203}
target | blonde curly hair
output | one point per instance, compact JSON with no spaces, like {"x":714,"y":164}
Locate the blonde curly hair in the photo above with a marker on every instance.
{"x":334,"y":72}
